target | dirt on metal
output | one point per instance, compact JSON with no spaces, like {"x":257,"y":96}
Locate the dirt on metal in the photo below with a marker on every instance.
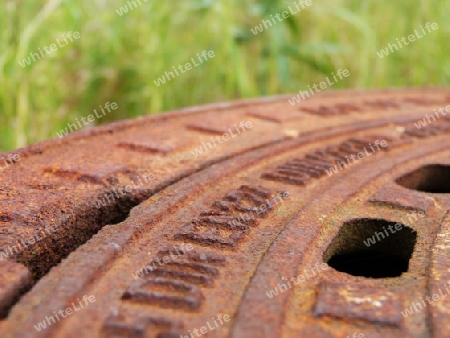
{"x":256,"y":218}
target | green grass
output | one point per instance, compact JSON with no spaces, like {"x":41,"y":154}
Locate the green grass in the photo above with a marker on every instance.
{"x":117,"y":58}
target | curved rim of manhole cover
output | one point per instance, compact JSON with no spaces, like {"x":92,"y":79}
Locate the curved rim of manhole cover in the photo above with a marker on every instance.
{"x":327,"y":217}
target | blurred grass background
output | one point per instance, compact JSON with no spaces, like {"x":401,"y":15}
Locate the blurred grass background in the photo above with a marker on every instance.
{"x":117,"y":58}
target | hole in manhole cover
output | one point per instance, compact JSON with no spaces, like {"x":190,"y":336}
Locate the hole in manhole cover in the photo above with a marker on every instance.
{"x":372,"y":248}
{"x":433,"y":178}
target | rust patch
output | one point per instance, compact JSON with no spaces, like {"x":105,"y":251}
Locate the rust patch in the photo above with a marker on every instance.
{"x":277,"y":116}
{"x":14,"y":280}
{"x":347,"y":301}
{"x":228,"y":205}
{"x":402,"y":198}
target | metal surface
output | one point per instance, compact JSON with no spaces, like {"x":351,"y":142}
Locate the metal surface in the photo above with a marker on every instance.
{"x":211,"y":235}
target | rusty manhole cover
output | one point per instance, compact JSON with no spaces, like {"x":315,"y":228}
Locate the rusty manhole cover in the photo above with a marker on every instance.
{"x":252,"y":219}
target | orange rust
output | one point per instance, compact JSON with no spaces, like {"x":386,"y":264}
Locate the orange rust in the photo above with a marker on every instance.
{"x":171,"y":240}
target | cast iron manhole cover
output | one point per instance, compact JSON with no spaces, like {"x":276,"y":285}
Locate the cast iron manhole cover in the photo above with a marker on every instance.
{"x":252,"y":219}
